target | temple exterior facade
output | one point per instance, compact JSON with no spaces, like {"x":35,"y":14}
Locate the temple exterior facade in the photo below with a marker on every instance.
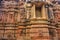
{"x":29,"y":20}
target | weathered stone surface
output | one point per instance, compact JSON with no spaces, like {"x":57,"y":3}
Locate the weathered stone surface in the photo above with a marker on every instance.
{"x":20,"y":20}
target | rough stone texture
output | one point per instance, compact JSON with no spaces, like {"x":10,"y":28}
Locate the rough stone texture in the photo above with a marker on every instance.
{"x":18,"y":20}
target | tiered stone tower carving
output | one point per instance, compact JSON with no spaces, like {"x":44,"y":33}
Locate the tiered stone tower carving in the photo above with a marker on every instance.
{"x":29,"y":20}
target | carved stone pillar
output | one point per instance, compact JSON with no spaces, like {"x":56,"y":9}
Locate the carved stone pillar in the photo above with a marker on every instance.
{"x":33,"y":12}
{"x":28,"y":10}
{"x":44,"y":12}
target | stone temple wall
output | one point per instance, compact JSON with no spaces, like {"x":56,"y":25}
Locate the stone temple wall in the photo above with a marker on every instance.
{"x":18,"y":20}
